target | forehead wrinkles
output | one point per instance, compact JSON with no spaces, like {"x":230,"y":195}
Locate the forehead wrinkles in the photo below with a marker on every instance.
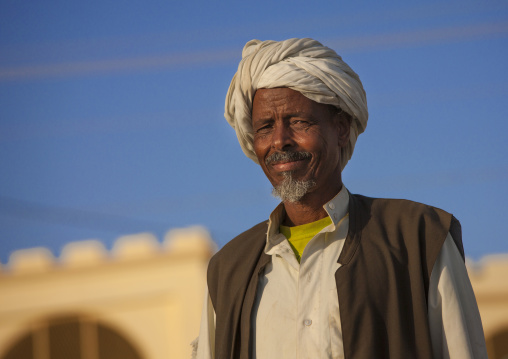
{"x":269,"y":101}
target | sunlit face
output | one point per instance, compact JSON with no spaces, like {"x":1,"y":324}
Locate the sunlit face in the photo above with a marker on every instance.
{"x":286,"y":122}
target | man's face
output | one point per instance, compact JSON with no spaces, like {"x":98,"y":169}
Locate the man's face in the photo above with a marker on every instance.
{"x":295,"y":135}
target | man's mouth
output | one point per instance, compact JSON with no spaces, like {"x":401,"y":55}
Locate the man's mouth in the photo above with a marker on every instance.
{"x":286,"y":161}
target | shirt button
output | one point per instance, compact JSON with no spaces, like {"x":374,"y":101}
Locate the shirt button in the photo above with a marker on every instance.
{"x":335,"y":216}
{"x":331,"y":205}
{"x":307,"y":322}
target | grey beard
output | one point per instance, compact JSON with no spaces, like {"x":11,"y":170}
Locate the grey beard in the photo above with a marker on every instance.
{"x":291,"y":190}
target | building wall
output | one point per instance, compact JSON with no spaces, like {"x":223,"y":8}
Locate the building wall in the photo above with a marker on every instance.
{"x":151,"y":295}
{"x":489,"y":278}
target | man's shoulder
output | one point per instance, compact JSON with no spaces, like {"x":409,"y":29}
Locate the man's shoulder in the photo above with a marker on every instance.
{"x":406,"y":215}
{"x":234,"y":264}
{"x":249,"y":241}
{"x":394,"y":206}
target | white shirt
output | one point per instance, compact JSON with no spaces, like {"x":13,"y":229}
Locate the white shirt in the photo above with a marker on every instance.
{"x":296,"y":311}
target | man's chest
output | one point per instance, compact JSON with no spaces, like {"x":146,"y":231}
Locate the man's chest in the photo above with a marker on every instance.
{"x":296,"y":311}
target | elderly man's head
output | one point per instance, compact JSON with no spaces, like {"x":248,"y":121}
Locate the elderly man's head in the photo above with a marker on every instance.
{"x":296,"y":72}
{"x":298,"y":142}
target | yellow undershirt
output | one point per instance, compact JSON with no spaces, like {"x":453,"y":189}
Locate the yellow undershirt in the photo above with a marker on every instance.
{"x":299,"y":236}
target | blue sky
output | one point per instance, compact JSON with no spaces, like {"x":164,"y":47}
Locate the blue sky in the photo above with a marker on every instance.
{"x":111,"y":113}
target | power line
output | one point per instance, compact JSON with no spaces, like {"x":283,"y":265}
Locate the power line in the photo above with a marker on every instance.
{"x":74,"y":217}
{"x":366,"y":43}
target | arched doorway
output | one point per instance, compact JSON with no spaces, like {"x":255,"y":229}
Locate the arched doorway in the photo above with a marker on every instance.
{"x":73,"y":337}
{"x":497,"y":344}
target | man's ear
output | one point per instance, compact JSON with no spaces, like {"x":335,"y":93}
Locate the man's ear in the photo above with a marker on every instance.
{"x":343,"y":123}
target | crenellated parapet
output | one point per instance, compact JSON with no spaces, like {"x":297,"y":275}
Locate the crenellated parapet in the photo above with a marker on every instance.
{"x":489,"y":277}
{"x":193,"y":241}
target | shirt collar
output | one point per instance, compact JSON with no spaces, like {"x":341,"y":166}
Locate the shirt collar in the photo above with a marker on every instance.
{"x":337,"y":208}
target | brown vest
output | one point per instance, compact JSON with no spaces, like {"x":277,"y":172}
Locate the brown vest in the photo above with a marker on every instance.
{"x":382,"y":284}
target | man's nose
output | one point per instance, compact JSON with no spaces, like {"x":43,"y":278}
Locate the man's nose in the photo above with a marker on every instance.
{"x":282,"y":138}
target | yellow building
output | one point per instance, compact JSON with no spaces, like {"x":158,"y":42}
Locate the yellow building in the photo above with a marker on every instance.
{"x":489,"y":278}
{"x":142,"y":299}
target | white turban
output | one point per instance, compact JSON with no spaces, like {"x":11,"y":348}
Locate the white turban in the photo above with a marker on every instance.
{"x":304,"y":65}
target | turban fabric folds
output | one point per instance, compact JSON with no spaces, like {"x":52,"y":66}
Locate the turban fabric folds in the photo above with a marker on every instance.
{"x":304,"y":65}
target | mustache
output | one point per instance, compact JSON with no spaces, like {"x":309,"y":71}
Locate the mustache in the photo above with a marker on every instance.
{"x":287,"y":157}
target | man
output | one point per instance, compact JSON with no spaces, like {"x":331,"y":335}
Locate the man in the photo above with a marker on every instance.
{"x":331,"y":274}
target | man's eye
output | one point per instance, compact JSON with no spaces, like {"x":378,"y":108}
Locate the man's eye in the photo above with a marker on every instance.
{"x":264,"y":128}
{"x":299,"y":123}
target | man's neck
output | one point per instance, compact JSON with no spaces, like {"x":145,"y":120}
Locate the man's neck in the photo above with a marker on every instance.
{"x":309,"y":209}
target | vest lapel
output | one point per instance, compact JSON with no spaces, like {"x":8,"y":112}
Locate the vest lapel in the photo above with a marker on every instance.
{"x":354,"y":233}
{"x":248,"y":304}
